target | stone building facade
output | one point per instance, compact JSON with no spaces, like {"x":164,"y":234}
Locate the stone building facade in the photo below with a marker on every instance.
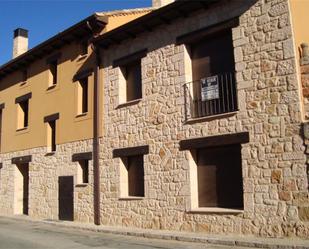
{"x":44,"y":173}
{"x":158,"y":137}
{"x":273,"y":161}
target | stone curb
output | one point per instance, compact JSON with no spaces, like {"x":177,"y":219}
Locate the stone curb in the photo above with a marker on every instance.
{"x":178,"y":236}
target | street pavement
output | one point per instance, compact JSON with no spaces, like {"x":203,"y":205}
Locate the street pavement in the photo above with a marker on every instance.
{"x":19,"y":234}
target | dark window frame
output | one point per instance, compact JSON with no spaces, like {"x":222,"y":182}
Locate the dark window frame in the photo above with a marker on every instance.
{"x":51,"y":122}
{"x":136,"y":175}
{"x":133,"y":75}
{"x":84,"y":85}
{"x":52,"y":63}
{"x":127,"y":155}
{"x":131,"y":68}
{"x":53,"y":70}
{"x":219,"y":177}
{"x":24,"y":76}
{"x":24,"y":106}
{"x":23,"y":102}
{"x":84,"y":164}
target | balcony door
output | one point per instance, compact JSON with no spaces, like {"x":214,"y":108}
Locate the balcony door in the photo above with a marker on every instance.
{"x":213,"y":55}
{"x":213,"y":61}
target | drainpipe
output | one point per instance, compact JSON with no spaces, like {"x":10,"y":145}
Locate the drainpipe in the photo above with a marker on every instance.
{"x":96,"y":25}
{"x":96,"y":129}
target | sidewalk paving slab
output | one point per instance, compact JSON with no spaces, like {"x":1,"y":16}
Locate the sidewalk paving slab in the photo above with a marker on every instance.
{"x":226,"y":240}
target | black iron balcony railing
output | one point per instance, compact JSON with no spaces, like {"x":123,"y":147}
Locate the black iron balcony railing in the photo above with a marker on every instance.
{"x":211,"y":96}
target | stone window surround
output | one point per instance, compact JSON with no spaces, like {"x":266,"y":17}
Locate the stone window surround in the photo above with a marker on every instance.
{"x":52,"y":79}
{"x":122,"y":155}
{"x":189,"y":146}
{"x":120,"y":64}
{"x":24,"y":77}
{"x":186,"y":40}
{"x":48,"y":119}
{"x":21,"y":115}
{"x":80,"y":157}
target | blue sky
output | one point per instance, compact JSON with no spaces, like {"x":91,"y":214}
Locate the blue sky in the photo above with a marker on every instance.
{"x":45,"y":18}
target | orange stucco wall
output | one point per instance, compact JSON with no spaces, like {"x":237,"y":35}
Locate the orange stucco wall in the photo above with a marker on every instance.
{"x":62,"y":99}
{"x":300,"y":19}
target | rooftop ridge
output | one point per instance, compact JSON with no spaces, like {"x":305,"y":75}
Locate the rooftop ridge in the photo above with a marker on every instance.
{"x":125,"y":11}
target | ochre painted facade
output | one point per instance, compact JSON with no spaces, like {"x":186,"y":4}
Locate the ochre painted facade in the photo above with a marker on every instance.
{"x":62,"y":98}
{"x":300,"y":20}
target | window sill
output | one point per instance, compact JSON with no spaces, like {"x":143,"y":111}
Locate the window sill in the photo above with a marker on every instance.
{"x":131,"y":198}
{"x":82,"y":185}
{"x":52,"y":153}
{"x":22,"y":130}
{"x":52,"y":88}
{"x":82,"y":117}
{"x":23,"y":84}
{"x":129,"y":103}
{"x":210,"y":118}
{"x":215,"y":210}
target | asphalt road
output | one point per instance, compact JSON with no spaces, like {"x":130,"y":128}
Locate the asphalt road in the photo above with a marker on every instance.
{"x":25,"y":235}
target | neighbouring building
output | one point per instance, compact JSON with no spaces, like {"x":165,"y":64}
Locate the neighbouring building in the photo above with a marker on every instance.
{"x":198,"y":122}
{"x":47,"y":113}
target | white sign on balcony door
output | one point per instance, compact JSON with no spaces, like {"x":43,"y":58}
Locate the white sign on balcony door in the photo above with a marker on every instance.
{"x":210,"y":88}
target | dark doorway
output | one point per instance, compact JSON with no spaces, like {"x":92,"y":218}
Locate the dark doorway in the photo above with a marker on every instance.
{"x":22,"y":189}
{"x":66,"y":199}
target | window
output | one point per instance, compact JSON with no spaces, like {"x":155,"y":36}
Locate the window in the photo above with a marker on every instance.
{"x":82,"y":95}
{"x":212,"y":88}
{"x":208,"y":60}
{"x":132,"y":183}
{"x":51,"y":131}
{"x":52,"y":63}
{"x":23,"y":114}
{"x":132,"y":176}
{"x":23,"y":111}
{"x":216,"y":170}
{"x":132,"y":74}
{"x":51,"y":136}
{"x":130,"y":77}
{"x":219,"y":177}
{"x":82,"y":160}
{"x":52,"y":79}
{"x":83,"y":172}
{"x":24,"y":75}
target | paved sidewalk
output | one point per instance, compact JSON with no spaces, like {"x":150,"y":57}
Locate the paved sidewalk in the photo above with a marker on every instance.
{"x":228,"y":240}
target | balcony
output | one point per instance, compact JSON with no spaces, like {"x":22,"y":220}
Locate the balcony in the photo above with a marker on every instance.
{"x":210,"y":96}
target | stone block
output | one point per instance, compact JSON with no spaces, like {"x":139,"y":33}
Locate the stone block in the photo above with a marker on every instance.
{"x":285,"y":196}
{"x":278,"y":9}
{"x":288,"y":49}
{"x":303,"y":213}
{"x":276,"y":176}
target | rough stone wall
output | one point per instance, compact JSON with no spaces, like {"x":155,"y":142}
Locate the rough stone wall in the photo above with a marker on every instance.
{"x":44,"y":171}
{"x":273,"y":162}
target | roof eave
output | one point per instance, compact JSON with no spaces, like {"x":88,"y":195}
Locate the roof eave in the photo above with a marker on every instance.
{"x":146,"y":23}
{"x":87,"y":26}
